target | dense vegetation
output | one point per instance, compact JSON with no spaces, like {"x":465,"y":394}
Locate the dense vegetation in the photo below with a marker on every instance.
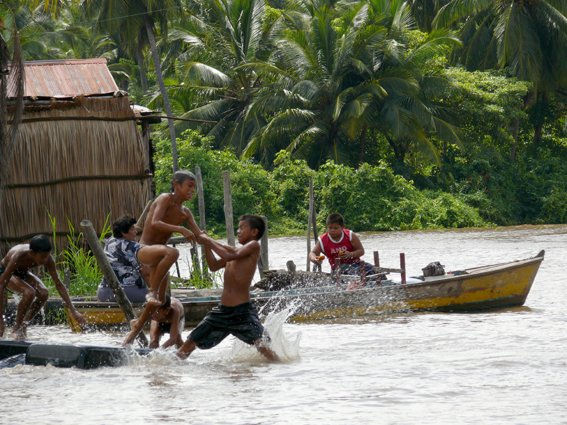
{"x":415,"y":114}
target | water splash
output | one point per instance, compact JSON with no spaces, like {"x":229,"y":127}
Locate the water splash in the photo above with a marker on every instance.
{"x":285,"y":345}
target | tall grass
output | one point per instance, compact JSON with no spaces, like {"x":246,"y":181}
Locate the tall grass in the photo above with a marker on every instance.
{"x":76,"y":258}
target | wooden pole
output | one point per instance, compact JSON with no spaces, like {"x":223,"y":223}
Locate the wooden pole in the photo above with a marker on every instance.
{"x":202,"y":220}
{"x":121,"y":299}
{"x":309,"y":223}
{"x":263,"y":263}
{"x":403,"y":267}
{"x":376,"y":259}
{"x":228,"y":208}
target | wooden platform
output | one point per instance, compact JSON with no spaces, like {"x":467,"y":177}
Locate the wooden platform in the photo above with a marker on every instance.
{"x":64,"y":355}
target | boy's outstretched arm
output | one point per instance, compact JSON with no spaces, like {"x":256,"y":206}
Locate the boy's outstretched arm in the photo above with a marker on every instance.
{"x":229,"y":253}
{"x":50,"y":265}
{"x":214,"y":263}
{"x":315,"y":253}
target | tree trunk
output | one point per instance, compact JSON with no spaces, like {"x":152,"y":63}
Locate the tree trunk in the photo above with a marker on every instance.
{"x":141,"y":66}
{"x":164,"y":95}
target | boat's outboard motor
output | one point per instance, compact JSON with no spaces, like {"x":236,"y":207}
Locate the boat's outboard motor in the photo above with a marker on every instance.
{"x":433,"y":269}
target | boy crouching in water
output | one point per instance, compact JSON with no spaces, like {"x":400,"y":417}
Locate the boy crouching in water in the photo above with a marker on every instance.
{"x":16,"y":276}
{"x":169,"y":318}
{"x":235,"y":314}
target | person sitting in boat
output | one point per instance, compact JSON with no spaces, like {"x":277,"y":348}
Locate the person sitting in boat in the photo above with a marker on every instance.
{"x":169,"y":318}
{"x":15,"y":275}
{"x":121,"y":251}
{"x":342,"y":247}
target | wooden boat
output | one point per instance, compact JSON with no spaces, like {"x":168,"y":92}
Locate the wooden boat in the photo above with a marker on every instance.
{"x":322,"y":296}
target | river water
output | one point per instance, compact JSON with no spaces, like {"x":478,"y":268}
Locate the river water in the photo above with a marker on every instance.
{"x":500,"y":367}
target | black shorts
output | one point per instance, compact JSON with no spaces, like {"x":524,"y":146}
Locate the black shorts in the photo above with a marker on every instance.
{"x":17,"y":273}
{"x":241,"y":321}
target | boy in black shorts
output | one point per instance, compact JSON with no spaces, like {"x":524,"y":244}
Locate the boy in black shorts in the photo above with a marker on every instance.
{"x":235,"y":314}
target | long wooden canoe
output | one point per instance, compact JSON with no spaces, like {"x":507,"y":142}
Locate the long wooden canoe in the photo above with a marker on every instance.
{"x":478,"y":288}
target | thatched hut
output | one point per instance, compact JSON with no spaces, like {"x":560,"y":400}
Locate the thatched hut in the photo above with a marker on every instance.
{"x":78,"y":153}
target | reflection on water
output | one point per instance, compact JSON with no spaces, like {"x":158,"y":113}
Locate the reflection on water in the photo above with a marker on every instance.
{"x":505,"y":366}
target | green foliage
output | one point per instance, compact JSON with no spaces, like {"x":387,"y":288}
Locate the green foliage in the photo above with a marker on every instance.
{"x":78,"y":261}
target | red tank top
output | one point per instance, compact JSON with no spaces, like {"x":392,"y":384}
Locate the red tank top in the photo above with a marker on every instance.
{"x":332,"y":248}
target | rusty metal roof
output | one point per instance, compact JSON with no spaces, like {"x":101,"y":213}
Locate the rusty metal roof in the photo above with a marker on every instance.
{"x":66,"y":78}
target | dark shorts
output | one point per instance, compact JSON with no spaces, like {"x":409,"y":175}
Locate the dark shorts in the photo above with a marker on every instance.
{"x":17,"y":273}
{"x":241,"y":321}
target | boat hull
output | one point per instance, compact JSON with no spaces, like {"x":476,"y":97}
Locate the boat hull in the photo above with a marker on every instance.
{"x":476,"y":289}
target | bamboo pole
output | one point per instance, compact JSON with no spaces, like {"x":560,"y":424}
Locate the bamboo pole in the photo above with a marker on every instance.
{"x":228,"y":208}
{"x":202,"y":217}
{"x":121,"y":299}
{"x":309,"y":224}
{"x":263,"y":261}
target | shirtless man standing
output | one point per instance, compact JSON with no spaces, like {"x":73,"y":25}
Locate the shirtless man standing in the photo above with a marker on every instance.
{"x":235,"y":314}
{"x":166,"y":216}
{"x":15,"y":275}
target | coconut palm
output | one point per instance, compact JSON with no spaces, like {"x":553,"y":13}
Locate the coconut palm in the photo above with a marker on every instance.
{"x":127,"y":19}
{"x":528,"y":38}
{"x":234,"y":33}
{"x":346,"y":79}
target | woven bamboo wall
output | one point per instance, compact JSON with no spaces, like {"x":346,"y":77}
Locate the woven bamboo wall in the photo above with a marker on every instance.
{"x":74,"y":160}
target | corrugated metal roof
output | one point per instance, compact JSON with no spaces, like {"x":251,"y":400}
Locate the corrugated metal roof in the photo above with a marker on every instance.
{"x":67,"y":78}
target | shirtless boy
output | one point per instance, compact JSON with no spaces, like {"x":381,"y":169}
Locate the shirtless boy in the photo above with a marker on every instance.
{"x":166,"y":216}
{"x":169,"y":318}
{"x":235,"y":314}
{"x":16,"y":276}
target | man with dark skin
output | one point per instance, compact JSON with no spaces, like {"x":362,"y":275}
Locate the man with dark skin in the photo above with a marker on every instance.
{"x":169,"y":318}
{"x":16,"y":276}
{"x":165,"y":216}
{"x":235,"y":315}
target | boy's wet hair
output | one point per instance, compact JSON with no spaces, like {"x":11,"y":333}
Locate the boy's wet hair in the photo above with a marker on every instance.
{"x":122,"y":225}
{"x":336,"y":218}
{"x":180,"y":176}
{"x":255,"y":222}
{"x":40,"y":243}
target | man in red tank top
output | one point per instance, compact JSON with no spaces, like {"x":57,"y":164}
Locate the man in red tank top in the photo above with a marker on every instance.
{"x":342,"y":247}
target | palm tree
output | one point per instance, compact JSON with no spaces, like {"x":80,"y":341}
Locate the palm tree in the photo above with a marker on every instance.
{"x":339,"y":82}
{"x":526,"y":37}
{"x":234,"y":33}
{"x":128,"y":18}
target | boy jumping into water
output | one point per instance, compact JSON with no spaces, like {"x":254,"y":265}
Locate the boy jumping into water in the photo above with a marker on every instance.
{"x":16,"y":276}
{"x":235,"y":314}
{"x":166,"y":216}
{"x":169,"y":318}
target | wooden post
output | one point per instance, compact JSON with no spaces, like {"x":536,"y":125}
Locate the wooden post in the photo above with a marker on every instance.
{"x":403,"y":267}
{"x":121,"y":299}
{"x":309,"y":223}
{"x":263,"y":263}
{"x":202,"y":220}
{"x":228,"y":208}
{"x":376,"y":259}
